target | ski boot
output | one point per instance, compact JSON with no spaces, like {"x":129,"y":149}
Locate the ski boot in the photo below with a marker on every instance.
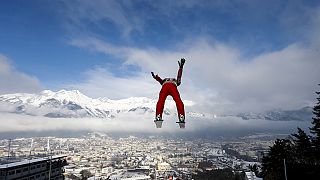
{"x":158,"y":121}
{"x":181,"y":122}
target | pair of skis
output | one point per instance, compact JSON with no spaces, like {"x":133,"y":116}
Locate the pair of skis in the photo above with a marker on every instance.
{"x":159,"y":123}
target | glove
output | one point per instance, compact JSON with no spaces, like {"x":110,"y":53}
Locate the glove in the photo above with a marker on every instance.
{"x":153,"y":75}
{"x":181,"y":62}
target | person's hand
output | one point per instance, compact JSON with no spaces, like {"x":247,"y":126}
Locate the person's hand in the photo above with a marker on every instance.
{"x":181,"y":62}
{"x":153,"y":75}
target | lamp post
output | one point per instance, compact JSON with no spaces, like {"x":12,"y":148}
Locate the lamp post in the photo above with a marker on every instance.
{"x":285,"y":168}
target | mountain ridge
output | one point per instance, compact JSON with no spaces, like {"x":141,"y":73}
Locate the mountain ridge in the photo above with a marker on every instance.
{"x":68,"y":104}
{"x":74,"y":104}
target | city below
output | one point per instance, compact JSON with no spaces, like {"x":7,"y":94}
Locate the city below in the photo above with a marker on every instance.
{"x":99,"y":156}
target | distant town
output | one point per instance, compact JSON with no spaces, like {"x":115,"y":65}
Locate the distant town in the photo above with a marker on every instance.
{"x":98,"y":156}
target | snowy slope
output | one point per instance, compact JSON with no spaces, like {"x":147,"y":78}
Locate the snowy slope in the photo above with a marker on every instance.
{"x":75,"y":104}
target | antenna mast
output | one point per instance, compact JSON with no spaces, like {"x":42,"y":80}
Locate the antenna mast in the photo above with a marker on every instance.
{"x":48,"y":146}
{"x":9,"y":149}
{"x":31,"y":147}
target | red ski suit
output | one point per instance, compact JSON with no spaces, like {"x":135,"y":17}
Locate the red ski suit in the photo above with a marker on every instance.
{"x":169,"y":87}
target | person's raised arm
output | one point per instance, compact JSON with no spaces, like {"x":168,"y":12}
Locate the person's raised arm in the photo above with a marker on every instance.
{"x":156,"y":77}
{"x":181,"y":63}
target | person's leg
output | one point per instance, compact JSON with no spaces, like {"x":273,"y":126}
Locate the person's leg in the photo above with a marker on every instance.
{"x":160,"y":104}
{"x":180,"y":106}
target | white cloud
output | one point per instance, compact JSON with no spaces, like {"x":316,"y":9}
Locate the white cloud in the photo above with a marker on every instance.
{"x":127,"y":123}
{"x":12,"y":80}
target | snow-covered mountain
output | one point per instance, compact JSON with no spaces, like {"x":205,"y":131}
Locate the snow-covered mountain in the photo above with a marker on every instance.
{"x":302,"y":114}
{"x":67,"y":104}
{"x":74,"y":104}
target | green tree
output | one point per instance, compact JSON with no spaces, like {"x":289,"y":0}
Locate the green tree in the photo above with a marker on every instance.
{"x":302,"y":148}
{"x":315,"y":130}
{"x":272,"y":164}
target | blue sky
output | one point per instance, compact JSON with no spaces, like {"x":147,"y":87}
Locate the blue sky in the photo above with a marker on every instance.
{"x":85,"y":44}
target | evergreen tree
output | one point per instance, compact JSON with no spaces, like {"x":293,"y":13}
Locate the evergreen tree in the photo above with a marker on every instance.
{"x":302,"y":148}
{"x":315,"y":130}
{"x":272,"y":164}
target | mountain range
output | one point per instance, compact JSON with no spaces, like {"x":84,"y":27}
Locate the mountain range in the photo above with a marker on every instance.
{"x":302,"y":114}
{"x":74,"y":104}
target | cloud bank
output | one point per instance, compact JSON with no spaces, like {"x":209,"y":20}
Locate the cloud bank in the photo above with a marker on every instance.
{"x":224,"y":126}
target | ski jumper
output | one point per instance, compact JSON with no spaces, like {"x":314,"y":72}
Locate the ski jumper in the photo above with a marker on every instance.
{"x":169,"y":87}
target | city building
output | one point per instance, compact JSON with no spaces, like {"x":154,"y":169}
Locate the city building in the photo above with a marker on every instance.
{"x":35,"y":169}
{"x":163,"y":166}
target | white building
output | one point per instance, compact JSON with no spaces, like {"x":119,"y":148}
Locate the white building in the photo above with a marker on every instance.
{"x":164,"y":166}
